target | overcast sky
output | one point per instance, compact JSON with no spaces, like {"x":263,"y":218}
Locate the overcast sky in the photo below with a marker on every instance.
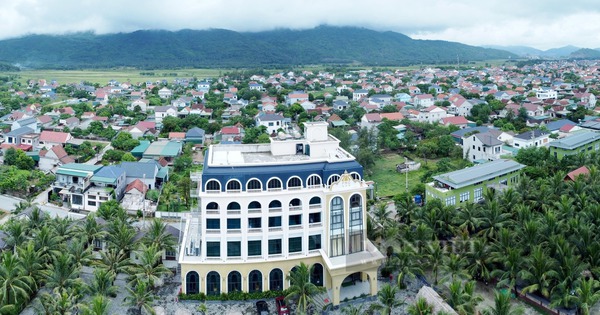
{"x":541,"y":24}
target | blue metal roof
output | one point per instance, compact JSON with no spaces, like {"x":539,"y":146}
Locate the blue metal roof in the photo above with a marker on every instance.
{"x":283,"y":172}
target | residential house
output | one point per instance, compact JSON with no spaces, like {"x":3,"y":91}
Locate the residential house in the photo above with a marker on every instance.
{"x":168,"y":150}
{"x":137,"y":131}
{"x":15,"y":138}
{"x":296,"y":97}
{"x":45,"y":121}
{"x":143,"y":105}
{"x":468,"y":185}
{"x":459,"y":106}
{"x":544,"y":93}
{"x":108,"y":183}
{"x":533,"y":138}
{"x":48,"y":139}
{"x":423,"y":100}
{"x":482,"y":147}
{"x":55,"y":156}
{"x":583,"y":142}
{"x":195,"y":135}
{"x":231,"y":134}
{"x":144,"y":171}
{"x":161,"y":112}
{"x":359,"y":94}
{"x":587,"y":99}
{"x":403,"y":97}
{"x":307,"y":105}
{"x":72,"y":182}
{"x":459,"y":121}
{"x":165,"y":93}
{"x":273,"y":122}
{"x":340,"y":104}
{"x":431,"y":114}
{"x":30,"y":122}
{"x":176,"y":136}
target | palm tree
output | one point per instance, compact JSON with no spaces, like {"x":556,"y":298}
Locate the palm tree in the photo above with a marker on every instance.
{"x":435,"y":257}
{"x":15,"y":285}
{"x":470,"y":217}
{"x":406,"y":263}
{"x":157,"y":235}
{"x":353,"y":309}
{"x":120,"y":236}
{"x":382,"y":214}
{"x":149,"y":266}
{"x":540,"y":272}
{"x":97,"y":306}
{"x":479,"y":261}
{"x":114,"y":261}
{"x":420,"y":307}
{"x":301,"y":290}
{"x":493,"y":219}
{"x":82,"y":255}
{"x":17,"y":233}
{"x":140,"y":297}
{"x":463,"y":298}
{"x":31,"y":262}
{"x":587,"y":294}
{"x":63,"y":273}
{"x":502,"y":305}
{"x":91,"y":230}
{"x":102,"y":283}
{"x":511,"y":268}
{"x":61,"y":301}
{"x":454,"y":268}
{"x":387,"y":300}
{"x":46,"y":243}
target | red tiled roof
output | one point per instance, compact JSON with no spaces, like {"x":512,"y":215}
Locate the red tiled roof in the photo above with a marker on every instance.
{"x":580,"y":171}
{"x":54,"y":136}
{"x":136,"y":184}
{"x":455,"y":120}
{"x":392,"y":116}
{"x":147,"y":124}
{"x":176,"y":135}
{"x":230,"y":130}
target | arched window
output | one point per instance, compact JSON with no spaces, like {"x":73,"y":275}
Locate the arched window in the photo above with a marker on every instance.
{"x":234,"y":186}
{"x":294,"y":183}
{"x":213,"y":185}
{"x":254,"y":185}
{"x":355,"y":175}
{"x":233,"y":206}
{"x":213,"y":283}
{"x":274,"y":204}
{"x":276,"y":280}
{"x":314,"y":181}
{"x":332,"y":179}
{"x":254,"y":205}
{"x":316,"y":275}
{"x":355,"y":201}
{"x":337,"y":227}
{"x":255,"y":281}
{"x":192,"y":282}
{"x":274,"y":184}
{"x":315,"y":201}
{"x":295,"y":203}
{"x":356,"y":224}
{"x":212,"y":206}
{"x":234,"y":282}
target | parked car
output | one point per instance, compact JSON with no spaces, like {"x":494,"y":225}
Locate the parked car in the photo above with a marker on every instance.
{"x":282,"y":308}
{"x":262,"y":308}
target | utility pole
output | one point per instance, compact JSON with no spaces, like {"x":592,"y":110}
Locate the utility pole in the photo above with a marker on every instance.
{"x":144,"y":202}
{"x":406,"y":173}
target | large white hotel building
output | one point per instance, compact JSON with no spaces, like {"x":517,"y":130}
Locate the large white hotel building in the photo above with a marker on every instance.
{"x":264,"y":208}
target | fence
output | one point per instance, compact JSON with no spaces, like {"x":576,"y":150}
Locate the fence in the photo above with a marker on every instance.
{"x":170,"y":215}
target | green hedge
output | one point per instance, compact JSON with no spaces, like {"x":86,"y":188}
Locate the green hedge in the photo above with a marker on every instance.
{"x":233,"y":296}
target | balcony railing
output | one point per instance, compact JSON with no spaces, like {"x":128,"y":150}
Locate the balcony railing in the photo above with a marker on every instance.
{"x":316,"y":224}
{"x":295,"y":208}
{"x":296,"y":227}
{"x":212,"y":211}
{"x":254,"y":210}
{"x":315,"y":206}
{"x":275,"y":229}
{"x":255,"y":190}
{"x":212,"y":191}
{"x":278,"y":209}
{"x":254,"y":230}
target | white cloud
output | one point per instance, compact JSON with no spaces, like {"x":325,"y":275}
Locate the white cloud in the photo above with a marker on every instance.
{"x":538,"y":23}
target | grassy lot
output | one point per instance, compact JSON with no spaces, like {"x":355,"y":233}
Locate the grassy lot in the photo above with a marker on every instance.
{"x":388,"y":181}
{"x":121,"y":75}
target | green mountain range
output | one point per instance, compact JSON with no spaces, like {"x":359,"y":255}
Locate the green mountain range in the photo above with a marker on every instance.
{"x":154,"y":49}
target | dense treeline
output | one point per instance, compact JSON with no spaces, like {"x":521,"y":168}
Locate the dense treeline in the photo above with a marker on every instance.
{"x":223,"y":48}
{"x":542,"y":236}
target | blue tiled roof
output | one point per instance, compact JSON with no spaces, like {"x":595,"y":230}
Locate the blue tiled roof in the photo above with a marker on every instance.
{"x":556,"y":125}
{"x":283,"y":172}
